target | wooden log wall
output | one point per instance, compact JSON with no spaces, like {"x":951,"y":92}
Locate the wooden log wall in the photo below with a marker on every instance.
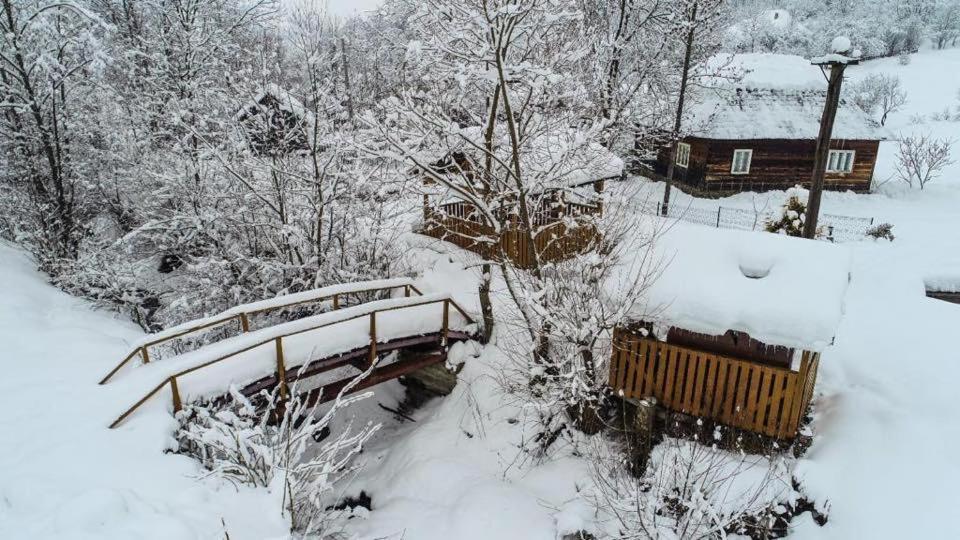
{"x":775,"y":164}
{"x":764,"y":399}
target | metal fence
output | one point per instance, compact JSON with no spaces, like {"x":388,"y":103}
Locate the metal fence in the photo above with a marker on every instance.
{"x":835,"y":228}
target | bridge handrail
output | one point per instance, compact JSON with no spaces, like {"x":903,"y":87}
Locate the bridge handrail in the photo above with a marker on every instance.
{"x":447,"y":301}
{"x":243,"y":312}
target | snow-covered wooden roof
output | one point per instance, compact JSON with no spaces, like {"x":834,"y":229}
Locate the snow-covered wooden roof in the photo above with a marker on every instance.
{"x":284,"y":100}
{"x":780,"y":290}
{"x":556,"y":160}
{"x":773,"y":113}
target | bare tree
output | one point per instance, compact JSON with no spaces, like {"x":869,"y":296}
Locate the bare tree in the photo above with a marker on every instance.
{"x":696,"y":29}
{"x":880,"y":93}
{"x":922,"y":158}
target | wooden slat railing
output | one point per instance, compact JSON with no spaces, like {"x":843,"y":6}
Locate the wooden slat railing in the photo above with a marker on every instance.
{"x":759,"y":398}
{"x":277,"y":342}
{"x":242,"y":317}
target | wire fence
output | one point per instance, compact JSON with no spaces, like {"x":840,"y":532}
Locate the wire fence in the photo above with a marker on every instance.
{"x":834,"y":228}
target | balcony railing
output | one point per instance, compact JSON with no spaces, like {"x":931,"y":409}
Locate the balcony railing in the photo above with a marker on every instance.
{"x":738,"y":393}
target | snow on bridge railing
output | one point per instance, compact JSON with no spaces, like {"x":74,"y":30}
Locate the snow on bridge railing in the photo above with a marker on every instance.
{"x":275,"y":335}
{"x":242,"y":313}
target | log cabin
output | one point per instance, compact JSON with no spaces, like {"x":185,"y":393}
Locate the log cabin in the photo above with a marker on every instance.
{"x":945,"y":287}
{"x":759,"y":139}
{"x":276,"y":123}
{"x":732,"y":329}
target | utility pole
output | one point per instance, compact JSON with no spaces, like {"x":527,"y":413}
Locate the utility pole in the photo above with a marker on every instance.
{"x":836,"y":63}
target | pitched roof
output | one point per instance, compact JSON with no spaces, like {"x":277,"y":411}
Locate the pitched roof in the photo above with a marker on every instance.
{"x":556,"y":160}
{"x":284,"y":101}
{"x":772,"y":113}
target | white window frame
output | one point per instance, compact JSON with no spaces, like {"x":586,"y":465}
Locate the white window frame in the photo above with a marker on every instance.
{"x":683,"y":155}
{"x":733,"y":162}
{"x":843,"y":170}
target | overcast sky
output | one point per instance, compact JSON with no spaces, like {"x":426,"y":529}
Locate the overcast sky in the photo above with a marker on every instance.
{"x":344,"y":8}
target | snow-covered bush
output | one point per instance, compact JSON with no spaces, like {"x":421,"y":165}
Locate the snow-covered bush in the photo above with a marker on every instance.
{"x":792,"y":216}
{"x":280,"y":447}
{"x":922,"y":158}
{"x":882,"y":230}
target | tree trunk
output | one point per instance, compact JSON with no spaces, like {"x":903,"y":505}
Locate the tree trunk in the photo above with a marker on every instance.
{"x":678,"y":119}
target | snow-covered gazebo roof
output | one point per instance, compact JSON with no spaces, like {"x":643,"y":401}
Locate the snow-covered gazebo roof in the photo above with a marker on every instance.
{"x":557,"y":160}
{"x":778,"y":289}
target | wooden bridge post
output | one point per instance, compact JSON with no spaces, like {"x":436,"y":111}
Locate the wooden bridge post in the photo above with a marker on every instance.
{"x":373,"y":337}
{"x":445,"y":329}
{"x":175,"y":390}
{"x":281,"y":370}
{"x":244,"y":323}
{"x":144,"y":354}
{"x":336,"y":301}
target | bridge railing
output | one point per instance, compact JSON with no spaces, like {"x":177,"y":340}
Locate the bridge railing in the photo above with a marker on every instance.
{"x":277,"y":341}
{"x":242,"y":314}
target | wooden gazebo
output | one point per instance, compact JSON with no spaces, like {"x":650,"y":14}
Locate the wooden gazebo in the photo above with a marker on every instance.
{"x":563,"y":211}
{"x":735,"y":328}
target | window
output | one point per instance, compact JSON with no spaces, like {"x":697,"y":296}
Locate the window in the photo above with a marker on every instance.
{"x":683,"y":154}
{"x":741,"y":162}
{"x":840,"y":161}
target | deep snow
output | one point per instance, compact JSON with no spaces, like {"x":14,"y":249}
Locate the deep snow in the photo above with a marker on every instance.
{"x":62,"y":473}
{"x":885,"y":432}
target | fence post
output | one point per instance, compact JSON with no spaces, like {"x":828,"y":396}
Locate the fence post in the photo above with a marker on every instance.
{"x":336,"y":301}
{"x":244,"y":322}
{"x":373,"y":337}
{"x":445,"y":330}
{"x":175,"y":390}
{"x":719,"y":208}
{"x":830,"y":233}
{"x":406,"y":291}
{"x":144,"y":354}
{"x":281,"y":370}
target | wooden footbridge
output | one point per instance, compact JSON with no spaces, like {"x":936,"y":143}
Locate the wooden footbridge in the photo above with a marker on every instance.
{"x":354,"y":333}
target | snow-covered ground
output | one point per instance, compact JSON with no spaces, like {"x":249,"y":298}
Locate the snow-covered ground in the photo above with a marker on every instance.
{"x":62,"y":473}
{"x":885,"y":432}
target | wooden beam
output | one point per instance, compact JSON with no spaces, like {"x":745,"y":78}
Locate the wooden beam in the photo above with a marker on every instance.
{"x":823,"y":150}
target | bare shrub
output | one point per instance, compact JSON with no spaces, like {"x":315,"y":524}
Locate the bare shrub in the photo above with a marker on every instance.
{"x":922,"y":159}
{"x":279,"y":446}
{"x":690,"y":490}
{"x":880,"y":94}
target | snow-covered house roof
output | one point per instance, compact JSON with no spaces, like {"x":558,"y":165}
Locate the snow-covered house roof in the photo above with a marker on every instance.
{"x":557,"y":160}
{"x":279,"y":97}
{"x":747,"y":112}
{"x":778,"y":289}
{"x":276,"y":122}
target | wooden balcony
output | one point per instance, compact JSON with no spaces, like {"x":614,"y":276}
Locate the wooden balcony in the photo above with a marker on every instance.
{"x":764,"y":399}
